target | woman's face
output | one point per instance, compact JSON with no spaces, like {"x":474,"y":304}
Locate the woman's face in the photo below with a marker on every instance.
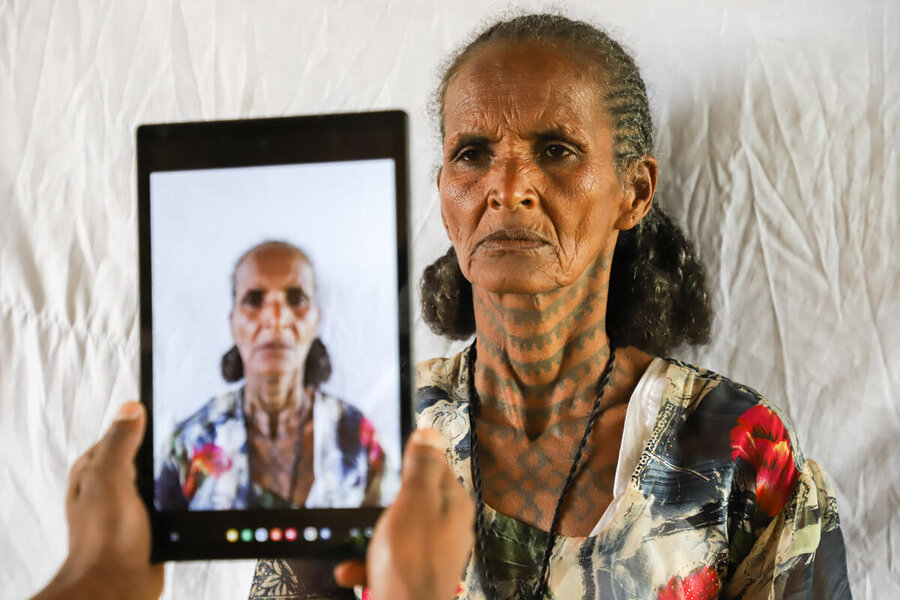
{"x":530,"y":197}
{"x":275,"y":318}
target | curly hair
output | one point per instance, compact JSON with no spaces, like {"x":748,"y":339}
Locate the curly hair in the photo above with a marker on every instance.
{"x":317,"y":368}
{"x":658,"y":298}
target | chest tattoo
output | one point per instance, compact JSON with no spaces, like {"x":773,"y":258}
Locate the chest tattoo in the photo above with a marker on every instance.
{"x":523,"y":478}
{"x":283,"y":465}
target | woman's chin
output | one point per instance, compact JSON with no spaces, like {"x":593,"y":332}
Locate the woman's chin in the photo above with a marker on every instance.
{"x":518,"y":287}
{"x":516,"y":281}
{"x":271,"y":371}
{"x":515,"y":273}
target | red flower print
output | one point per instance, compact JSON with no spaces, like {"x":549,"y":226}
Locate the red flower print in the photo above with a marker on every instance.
{"x":700,"y":584}
{"x":369,"y":441}
{"x":208,"y":460}
{"x":761,"y":440}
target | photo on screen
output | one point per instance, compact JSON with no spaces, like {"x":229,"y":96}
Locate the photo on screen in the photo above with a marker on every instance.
{"x":276,"y":373}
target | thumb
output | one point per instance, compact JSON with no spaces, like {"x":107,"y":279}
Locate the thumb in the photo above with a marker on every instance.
{"x":124,"y":436}
{"x":423,"y":461}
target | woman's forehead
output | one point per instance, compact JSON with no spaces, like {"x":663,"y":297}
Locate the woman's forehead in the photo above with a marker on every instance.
{"x":274,"y":267}
{"x":534,"y":84}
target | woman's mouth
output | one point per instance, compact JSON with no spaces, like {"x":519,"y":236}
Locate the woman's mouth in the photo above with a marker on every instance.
{"x":274,"y":347}
{"x":512,"y":239}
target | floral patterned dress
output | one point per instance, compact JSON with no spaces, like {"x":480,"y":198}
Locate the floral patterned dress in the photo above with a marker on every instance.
{"x":208,"y":466}
{"x":720,"y":504}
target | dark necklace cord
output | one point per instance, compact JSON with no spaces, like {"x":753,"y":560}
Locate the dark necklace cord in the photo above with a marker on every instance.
{"x":475,"y":405}
{"x":480,"y":533}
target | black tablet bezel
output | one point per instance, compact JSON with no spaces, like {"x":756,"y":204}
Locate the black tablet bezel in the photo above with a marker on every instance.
{"x":260,"y":142}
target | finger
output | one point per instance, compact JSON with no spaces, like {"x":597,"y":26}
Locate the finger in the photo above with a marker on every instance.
{"x":350,"y":573}
{"x":423,"y":461}
{"x":459,"y":508}
{"x":119,"y":446}
{"x":76,"y":473}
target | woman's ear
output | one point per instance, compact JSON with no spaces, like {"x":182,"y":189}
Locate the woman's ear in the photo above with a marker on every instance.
{"x":639,"y":186}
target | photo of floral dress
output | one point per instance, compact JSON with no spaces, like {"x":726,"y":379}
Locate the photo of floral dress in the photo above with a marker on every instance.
{"x":208,"y":467}
{"x":720,"y":503}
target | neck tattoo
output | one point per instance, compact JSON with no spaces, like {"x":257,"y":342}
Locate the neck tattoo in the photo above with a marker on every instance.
{"x":269,"y":457}
{"x":474,"y":403}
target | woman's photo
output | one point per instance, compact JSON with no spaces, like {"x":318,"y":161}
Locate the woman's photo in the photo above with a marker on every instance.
{"x":265,"y":391}
{"x":277,"y":441}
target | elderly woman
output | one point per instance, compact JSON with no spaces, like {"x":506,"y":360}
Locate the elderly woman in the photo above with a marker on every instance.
{"x":599,"y":469}
{"x":269,"y":443}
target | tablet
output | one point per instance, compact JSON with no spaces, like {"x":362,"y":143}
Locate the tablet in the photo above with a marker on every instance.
{"x":275,"y":341}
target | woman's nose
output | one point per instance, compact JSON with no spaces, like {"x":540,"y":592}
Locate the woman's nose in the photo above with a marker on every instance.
{"x":274,"y":313}
{"x":511,"y":186}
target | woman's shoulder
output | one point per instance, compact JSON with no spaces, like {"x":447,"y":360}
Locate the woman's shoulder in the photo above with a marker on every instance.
{"x":712,"y":425}
{"x":352,"y":426}
{"x":217,"y":425}
{"x":349,"y":431}
{"x":333,"y":403}
{"x":442,"y":379}
{"x":342,"y":413}
{"x":219,"y":409}
{"x":783,"y":522}
{"x":442,"y":403}
{"x":707,"y":404}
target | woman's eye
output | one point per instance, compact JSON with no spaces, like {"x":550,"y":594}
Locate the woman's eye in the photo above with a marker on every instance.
{"x":556,"y":151}
{"x":295,"y":297}
{"x":470,"y":155}
{"x":253,"y":298}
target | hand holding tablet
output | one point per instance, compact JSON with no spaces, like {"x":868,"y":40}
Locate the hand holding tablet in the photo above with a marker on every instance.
{"x":109,"y":532}
{"x":109,"y":528}
{"x":431,"y":512}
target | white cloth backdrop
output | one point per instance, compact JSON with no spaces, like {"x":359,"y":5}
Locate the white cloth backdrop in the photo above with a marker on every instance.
{"x":777,"y":134}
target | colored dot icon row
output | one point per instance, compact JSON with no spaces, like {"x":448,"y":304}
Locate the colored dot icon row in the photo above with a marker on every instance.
{"x":276,"y":534}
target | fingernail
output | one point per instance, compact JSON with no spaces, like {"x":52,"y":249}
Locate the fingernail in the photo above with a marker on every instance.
{"x":128,"y":412}
{"x":428,"y":437}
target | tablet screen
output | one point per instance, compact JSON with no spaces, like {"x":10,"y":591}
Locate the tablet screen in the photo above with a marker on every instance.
{"x":274,"y":350}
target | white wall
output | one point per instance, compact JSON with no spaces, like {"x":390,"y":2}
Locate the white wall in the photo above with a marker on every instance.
{"x":777,"y":136}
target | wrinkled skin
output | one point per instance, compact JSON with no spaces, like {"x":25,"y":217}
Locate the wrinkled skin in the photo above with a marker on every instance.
{"x":530,"y":197}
